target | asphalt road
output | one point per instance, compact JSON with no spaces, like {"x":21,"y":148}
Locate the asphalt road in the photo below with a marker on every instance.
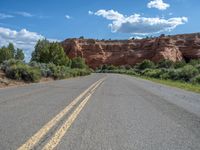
{"x":99,"y":112}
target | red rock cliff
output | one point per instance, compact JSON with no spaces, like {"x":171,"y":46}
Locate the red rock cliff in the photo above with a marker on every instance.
{"x":130,"y":52}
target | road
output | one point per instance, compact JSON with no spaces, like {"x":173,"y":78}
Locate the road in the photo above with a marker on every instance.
{"x":99,"y":112}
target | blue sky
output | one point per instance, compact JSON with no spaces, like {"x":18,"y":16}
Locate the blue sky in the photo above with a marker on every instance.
{"x":23,"y":22}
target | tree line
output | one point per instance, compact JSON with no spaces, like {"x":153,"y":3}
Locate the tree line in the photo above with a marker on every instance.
{"x":48,"y":60}
{"x":9,"y":52}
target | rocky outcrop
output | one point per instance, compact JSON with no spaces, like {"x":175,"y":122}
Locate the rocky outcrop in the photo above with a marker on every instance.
{"x":130,"y":52}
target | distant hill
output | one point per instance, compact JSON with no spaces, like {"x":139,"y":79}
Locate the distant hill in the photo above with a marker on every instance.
{"x":130,"y":52}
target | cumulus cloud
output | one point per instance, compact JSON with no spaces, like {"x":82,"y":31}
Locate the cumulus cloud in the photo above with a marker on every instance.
{"x":67,"y":17}
{"x":110,"y":14}
{"x":4,"y":16}
{"x":23,"y":39}
{"x":136,"y":24}
{"x":24,"y":14}
{"x":159,"y":4}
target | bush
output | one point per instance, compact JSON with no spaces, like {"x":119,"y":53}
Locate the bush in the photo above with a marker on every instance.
{"x":122,"y":67}
{"x":198,"y":67}
{"x":23,"y":72}
{"x":60,"y":72}
{"x":104,"y":67}
{"x":179,"y":64}
{"x":44,"y":68}
{"x":131,"y":72}
{"x":194,"y":62}
{"x":31,"y":75}
{"x":165,"y":64}
{"x":128,"y":67}
{"x":146,"y":64}
{"x":111,"y":67}
{"x":8,"y":63}
{"x":78,"y":62}
{"x":187,"y":73}
{"x":172,"y":74}
{"x":153,"y":73}
{"x":165,"y":76}
{"x":196,"y":80}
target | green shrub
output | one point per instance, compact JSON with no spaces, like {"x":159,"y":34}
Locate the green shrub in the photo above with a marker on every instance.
{"x":187,"y":73}
{"x":198,"y":67}
{"x":112,"y":67}
{"x":78,"y":62}
{"x":153,"y":73}
{"x":194,"y":62}
{"x":131,"y":72}
{"x":196,"y":79}
{"x":146,"y":64}
{"x":104,"y":67}
{"x":122,"y":67}
{"x":179,"y":64}
{"x":172,"y":74}
{"x":59,"y":72}
{"x":128,"y":67}
{"x":31,"y":75}
{"x":165,"y":75}
{"x":44,"y":68}
{"x":165,"y":64}
{"x":23,"y":72}
{"x":8,"y":63}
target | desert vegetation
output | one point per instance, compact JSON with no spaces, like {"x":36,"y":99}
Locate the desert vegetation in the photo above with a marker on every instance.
{"x":180,"y":73}
{"x":48,"y":61}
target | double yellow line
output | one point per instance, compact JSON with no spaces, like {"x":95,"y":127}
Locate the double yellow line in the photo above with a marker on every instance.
{"x":54,"y":141}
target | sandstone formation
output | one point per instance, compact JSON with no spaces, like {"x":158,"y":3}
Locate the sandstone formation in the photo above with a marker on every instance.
{"x":130,"y":52}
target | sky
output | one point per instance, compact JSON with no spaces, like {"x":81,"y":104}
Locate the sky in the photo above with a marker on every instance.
{"x":23,"y":22}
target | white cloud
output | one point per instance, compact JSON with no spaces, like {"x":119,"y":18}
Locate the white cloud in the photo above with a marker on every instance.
{"x":136,"y":37}
{"x":67,"y":17}
{"x":110,"y":14}
{"x":23,"y":39}
{"x":4,"y":16}
{"x":90,"y":12}
{"x":159,"y":4}
{"x":136,"y":24}
{"x":24,"y":14}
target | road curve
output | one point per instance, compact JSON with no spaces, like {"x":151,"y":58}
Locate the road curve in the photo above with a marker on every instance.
{"x":98,"y":112}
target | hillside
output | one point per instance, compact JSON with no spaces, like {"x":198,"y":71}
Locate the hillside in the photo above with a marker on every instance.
{"x":130,"y":52}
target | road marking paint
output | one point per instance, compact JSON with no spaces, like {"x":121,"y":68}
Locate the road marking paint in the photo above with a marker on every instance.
{"x":55,"y":140}
{"x":29,"y":144}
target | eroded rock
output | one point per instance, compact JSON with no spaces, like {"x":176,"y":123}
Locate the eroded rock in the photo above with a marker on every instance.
{"x":130,"y":52}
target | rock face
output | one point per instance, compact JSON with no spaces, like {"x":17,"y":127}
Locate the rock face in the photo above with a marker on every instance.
{"x":130,"y":52}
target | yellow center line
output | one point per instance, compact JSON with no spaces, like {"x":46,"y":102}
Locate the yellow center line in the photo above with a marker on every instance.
{"x":29,"y":144}
{"x":54,"y":141}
